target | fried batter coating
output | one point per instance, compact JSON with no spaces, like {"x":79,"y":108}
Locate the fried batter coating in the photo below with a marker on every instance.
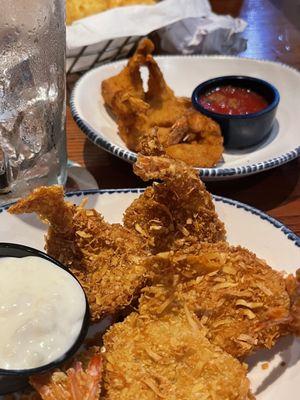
{"x":174,"y":213}
{"x":187,"y":140}
{"x":157,"y":122}
{"x":128,"y":82}
{"x":202,"y":134}
{"x":74,"y":384}
{"x":154,"y":142}
{"x":164,"y":107}
{"x":107,"y":259}
{"x":243,"y":303}
{"x":169,"y":359}
{"x":125,"y":96}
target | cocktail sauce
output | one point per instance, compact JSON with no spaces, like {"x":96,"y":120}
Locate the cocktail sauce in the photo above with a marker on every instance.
{"x":232,"y":100}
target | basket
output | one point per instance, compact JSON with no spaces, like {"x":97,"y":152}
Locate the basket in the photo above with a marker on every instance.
{"x":88,"y":57}
{"x":85,"y":58}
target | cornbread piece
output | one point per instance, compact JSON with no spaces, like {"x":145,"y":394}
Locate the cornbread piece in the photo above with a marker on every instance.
{"x":77,"y":9}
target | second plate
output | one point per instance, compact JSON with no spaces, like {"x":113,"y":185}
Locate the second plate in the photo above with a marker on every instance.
{"x":183,"y":74}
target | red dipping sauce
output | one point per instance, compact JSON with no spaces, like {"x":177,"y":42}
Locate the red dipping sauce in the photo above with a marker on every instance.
{"x":232,"y":100}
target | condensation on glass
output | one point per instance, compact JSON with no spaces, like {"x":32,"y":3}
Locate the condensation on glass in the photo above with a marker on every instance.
{"x":32,"y":96}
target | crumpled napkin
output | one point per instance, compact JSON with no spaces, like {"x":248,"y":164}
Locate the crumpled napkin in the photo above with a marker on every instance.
{"x":211,"y":34}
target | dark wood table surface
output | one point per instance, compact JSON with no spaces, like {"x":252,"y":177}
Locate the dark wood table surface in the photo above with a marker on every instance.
{"x":273,"y":33}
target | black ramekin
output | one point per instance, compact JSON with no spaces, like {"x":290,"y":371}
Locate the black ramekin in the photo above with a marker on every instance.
{"x":13,"y":380}
{"x":241,"y":131}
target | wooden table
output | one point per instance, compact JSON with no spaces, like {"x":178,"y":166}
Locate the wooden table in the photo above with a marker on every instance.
{"x":273,"y":33}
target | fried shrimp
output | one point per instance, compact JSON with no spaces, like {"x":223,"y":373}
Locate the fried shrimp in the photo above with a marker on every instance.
{"x":169,"y":359}
{"x":125,"y":96}
{"x":174,"y":213}
{"x":156,"y":121}
{"x":174,"y":141}
{"x":128,"y":83}
{"x":107,"y":259}
{"x":242,"y":302}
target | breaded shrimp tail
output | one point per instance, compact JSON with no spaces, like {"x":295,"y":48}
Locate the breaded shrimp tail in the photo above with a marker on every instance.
{"x":177,"y":175}
{"x":128,"y":81}
{"x":45,"y":202}
{"x":174,"y":213}
{"x":107,"y":259}
{"x":69,"y":225}
{"x":77,"y":383}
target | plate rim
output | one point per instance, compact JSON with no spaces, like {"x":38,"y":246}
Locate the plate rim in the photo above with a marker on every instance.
{"x":99,"y":140}
{"x":290,"y":235}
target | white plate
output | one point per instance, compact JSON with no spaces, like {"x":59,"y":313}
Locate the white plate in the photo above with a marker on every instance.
{"x":246,"y":226}
{"x":183,"y":74}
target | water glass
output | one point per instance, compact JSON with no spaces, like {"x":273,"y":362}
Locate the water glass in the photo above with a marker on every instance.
{"x":32,"y":96}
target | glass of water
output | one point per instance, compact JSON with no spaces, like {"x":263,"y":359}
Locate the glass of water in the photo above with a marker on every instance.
{"x":32,"y":96}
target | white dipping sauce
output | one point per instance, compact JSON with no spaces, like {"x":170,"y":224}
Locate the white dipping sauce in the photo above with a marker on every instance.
{"x":42,"y":308}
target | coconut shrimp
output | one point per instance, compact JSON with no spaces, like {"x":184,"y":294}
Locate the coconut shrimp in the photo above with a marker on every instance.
{"x":174,"y":213}
{"x":107,"y":259}
{"x":171,"y":359}
{"x":242,"y":302}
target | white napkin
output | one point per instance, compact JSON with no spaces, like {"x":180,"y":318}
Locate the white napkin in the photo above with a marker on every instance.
{"x":138,"y":20}
{"x":212,"y":34}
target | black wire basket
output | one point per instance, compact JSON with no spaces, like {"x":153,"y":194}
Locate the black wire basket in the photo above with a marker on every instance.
{"x":88,"y":57}
{"x":85,"y":58}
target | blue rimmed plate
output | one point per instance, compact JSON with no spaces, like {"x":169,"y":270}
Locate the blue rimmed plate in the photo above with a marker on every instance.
{"x":183,"y":74}
{"x":246,"y":226}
